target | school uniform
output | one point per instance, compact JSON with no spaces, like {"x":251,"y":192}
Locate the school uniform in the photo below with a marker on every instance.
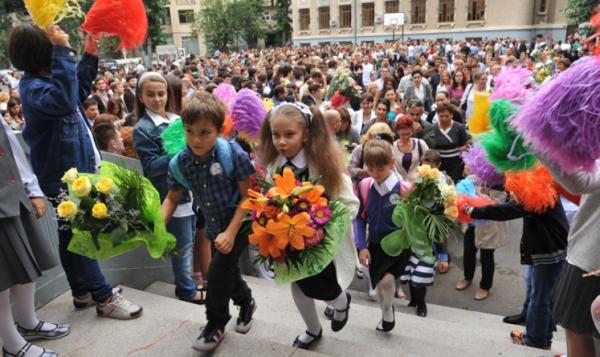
{"x":375,"y":215}
{"x":217,"y":196}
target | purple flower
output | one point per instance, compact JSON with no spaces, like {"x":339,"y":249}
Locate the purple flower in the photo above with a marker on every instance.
{"x":321,"y":214}
{"x":315,"y":239}
{"x":302,"y":205}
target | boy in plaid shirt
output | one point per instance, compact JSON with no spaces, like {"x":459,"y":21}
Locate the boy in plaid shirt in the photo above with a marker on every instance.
{"x":218,"y":174}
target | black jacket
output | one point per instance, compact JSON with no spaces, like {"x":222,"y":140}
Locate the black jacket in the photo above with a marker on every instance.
{"x":544,"y":239}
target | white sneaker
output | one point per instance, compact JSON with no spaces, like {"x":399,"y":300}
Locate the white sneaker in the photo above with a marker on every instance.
{"x":119,"y":308}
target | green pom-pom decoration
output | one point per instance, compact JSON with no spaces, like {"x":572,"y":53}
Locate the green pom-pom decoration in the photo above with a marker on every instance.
{"x":174,"y":138}
{"x":504,"y":146}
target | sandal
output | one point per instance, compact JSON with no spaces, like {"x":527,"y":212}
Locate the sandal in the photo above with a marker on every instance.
{"x":23,"y":351}
{"x":37,"y":333}
{"x":202,"y":299}
{"x":306,"y":345}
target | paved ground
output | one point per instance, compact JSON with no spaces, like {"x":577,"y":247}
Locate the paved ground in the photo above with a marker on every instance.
{"x":508,"y":291}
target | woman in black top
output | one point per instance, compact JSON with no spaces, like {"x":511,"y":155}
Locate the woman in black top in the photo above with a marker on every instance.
{"x":451,"y":138}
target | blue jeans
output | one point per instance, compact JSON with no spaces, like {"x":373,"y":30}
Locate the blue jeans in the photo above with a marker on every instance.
{"x":539,"y":322}
{"x":83,"y":273}
{"x":527,"y":278}
{"x":184,"y":230}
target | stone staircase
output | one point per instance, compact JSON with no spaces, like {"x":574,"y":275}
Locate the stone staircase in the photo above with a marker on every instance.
{"x":169,"y":326}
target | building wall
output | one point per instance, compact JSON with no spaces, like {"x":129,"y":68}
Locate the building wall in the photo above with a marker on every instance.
{"x":178,"y":31}
{"x":515,"y":18}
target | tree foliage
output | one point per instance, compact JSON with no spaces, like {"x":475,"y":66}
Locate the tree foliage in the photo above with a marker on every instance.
{"x":223,"y":22}
{"x":156,"y":10}
{"x":283,"y":19}
{"x":580,"y":11}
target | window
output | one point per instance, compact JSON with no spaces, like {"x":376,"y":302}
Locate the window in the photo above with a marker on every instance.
{"x":166,"y":20}
{"x":368,"y":14}
{"x":418,"y":11}
{"x":476,"y":10}
{"x":324,"y":17}
{"x":543,"y":6}
{"x":190,"y":44}
{"x":446,"y":11}
{"x":345,"y":16}
{"x":392,"y":6}
{"x":186,"y":2}
{"x":186,"y":16}
{"x":304,"y":19}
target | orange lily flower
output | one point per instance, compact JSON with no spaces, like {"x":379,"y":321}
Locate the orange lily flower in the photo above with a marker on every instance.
{"x":256,"y":203}
{"x":314,"y":196}
{"x":284,"y":184}
{"x":294,"y":228}
{"x":268,"y":244}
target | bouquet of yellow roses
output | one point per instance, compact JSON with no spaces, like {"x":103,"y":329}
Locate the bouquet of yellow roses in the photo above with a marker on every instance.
{"x":295,"y":227}
{"x":426,"y":216}
{"x":113,"y":212}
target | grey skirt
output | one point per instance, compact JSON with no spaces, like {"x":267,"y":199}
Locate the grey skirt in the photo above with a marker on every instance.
{"x":573,"y":297}
{"x":24,"y":250}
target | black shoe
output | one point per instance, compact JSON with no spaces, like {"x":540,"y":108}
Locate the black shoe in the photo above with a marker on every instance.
{"x":244,"y":320}
{"x":302,"y":345}
{"x":422,"y":310}
{"x":514,"y":320}
{"x":412,"y":304}
{"x":387,"y":326}
{"x":338,"y":325}
{"x":329,"y":310}
{"x":23,"y":351}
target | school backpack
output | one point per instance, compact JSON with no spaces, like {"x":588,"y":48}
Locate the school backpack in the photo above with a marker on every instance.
{"x":225,"y":158}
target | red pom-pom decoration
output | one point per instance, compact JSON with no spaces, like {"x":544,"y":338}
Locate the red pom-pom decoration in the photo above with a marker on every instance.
{"x":463,"y":200}
{"x":125,"y":19}
{"x":533,"y":188}
{"x":566,"y":194}
{"x":337,"y":100}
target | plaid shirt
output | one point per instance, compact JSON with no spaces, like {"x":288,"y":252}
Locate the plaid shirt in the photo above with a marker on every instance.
{"x":213,"y":190}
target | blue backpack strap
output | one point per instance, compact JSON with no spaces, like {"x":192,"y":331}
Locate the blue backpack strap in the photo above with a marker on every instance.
{"x":175,"y":170}
{"x":225,"y":156}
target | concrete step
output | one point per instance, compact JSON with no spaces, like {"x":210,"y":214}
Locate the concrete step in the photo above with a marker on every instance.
{"x":167,"y":328}
{"x":451,"y":336}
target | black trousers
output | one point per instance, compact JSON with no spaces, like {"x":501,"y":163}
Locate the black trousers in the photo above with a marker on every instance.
{"x":225,"y":282}
{"x":486,"y":256}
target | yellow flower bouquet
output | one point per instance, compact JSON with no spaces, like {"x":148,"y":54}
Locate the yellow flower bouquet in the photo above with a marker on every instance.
{"x":426,"y":216}
{"x":113,"y":212}
{"x":295,"y":227}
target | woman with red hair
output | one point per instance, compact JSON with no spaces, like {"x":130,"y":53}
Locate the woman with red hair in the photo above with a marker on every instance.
{"x":407,"y":150}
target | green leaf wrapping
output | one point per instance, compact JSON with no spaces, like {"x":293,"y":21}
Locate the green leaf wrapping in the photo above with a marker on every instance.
{"x":110,"y":244}
{"x":312,"y":261}
{"x":174,"y":138}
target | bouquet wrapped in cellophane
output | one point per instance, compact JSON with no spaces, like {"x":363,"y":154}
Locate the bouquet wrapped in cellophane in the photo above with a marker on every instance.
{"x":113,"y":212}
{"x":295,"y":227}
{"x":426,"y":216}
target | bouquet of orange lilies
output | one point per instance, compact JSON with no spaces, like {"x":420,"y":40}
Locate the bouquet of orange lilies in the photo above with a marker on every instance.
{"x":295,"y":227}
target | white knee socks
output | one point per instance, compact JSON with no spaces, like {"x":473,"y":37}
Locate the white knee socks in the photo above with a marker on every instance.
{"x":24,"y":297}
{"x":385,"y":291}
{"x":339,"y":304}
{"x":11,"y":339}
{"x":308,"y":311}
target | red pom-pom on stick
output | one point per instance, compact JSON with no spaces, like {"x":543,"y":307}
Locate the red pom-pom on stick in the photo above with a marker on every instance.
{"x":463,"y":200}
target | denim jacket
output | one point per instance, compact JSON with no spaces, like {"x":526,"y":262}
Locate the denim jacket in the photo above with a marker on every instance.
{"x":155,"y":161}
{"x":56,"y":129}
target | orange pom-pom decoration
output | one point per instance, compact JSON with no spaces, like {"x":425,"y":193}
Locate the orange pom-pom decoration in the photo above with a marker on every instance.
{"x":533,"y":188}
{"x":463,"y":200}
{"x":125,"y":19}
{"x":227,"y":128}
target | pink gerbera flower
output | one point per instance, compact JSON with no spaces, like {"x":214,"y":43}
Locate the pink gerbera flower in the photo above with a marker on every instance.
{"x":315,"y":239}
{"x":321,"y":214}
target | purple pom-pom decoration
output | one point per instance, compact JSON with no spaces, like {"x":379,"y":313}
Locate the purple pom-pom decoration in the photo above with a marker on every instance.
{"x":562,"y":120}
{"x":248,"y":113}
{"x":475,"y":158}
{"x":226,"y":94}
{"x":513,"y":84}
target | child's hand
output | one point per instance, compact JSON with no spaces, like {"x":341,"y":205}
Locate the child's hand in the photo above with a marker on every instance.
{"x":364,"y":257}
{"x":39,"y":206}
{"x":224,"y":242}
{"x":57,"y":36}
{"x":593,"y":273}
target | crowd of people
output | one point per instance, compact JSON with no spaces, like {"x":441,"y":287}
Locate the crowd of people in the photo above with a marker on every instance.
{"x":412,"y":106}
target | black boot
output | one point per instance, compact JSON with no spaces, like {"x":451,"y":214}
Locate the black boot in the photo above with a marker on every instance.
{"x":419,"y":301}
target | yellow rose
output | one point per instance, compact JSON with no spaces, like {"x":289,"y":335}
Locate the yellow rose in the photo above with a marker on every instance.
{"x":424,"y":170}
{"x":67,"y":209}
{"x":451,"y":212}
{"x":434,"y":174}
{"x":451,"y":200}
{"x":70,"y":176}
{"x":82,"y":186}
{"x":99,"y":210}
{"x":105,"y":185}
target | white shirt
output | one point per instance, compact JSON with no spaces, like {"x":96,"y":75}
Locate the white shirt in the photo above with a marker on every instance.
{"x":30,"y":181}
{"x":184,"y":209}
{"x":387,"y":185}
{"x":299,"y":160}
{"x":357,"y":119}
{"x":367,"y":70}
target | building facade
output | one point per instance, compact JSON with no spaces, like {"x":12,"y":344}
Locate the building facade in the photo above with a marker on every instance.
{"x":357,"y":21}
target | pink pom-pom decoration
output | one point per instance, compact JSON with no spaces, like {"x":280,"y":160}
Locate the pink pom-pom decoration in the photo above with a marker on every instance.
{"x":562,"y":120}
{"x":513,"y":84}
{"x":226,"y":94}
{"x":477,"y":162}
{"x":248,"y":113}
{"x":125,"y":19}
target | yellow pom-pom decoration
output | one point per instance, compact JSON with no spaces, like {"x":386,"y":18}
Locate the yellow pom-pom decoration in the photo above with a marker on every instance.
{"x":46,"y":12}
{"x":480,"y":119}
